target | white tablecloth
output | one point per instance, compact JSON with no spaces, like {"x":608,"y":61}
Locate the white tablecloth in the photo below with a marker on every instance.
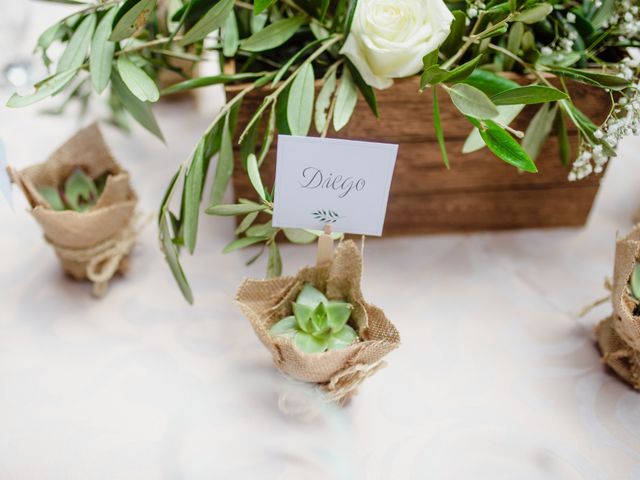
{"x":497,"y":378}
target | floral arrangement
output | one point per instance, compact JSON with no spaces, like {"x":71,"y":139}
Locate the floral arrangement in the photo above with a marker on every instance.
{"x":353,"y":47}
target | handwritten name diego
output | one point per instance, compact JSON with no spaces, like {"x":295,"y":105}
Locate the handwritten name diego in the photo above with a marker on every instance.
{"x":314,"y":178}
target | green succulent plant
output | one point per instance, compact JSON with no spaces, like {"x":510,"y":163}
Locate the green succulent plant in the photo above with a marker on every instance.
{"x":317,"y":324}
{"x":79,"y":192}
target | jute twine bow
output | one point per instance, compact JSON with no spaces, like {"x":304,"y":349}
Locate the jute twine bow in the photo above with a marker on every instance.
{"x":339,"y":390}
{"x":344,"y":384}
{"x":103,"y":260}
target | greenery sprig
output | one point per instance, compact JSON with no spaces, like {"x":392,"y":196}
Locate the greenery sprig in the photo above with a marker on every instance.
{"x":285,"y":46}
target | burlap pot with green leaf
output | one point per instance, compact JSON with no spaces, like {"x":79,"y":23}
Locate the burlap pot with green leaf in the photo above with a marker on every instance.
{"x":92,"y":244}
{"x":338,"y":372}
{"x":618,"y":336}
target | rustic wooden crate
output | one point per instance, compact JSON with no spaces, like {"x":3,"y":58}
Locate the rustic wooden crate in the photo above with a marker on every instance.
{"x":479,"y":192}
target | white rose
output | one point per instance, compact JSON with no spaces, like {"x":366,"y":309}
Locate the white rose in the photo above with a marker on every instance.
{"x":388,"y":38}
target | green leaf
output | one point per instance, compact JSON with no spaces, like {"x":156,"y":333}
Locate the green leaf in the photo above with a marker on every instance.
{"x":210,"y":80}
{"x":233,"y":210}
{"x":507,"y":114}
{"x":48,"y":36}
{"x":254,"y":175}
{"x":101,"y":57}
{"x":274,"y":35}
{"x":586,"y":127}
{"x":269,"y":135}
{"x":432,"y":75}
{"x":137,"y":80}
{"x":242,"y":243}
{"x":79,"y":190}
{"x":224,"y":168}
{"x":76,"y":51}
{"x":310,"y":344}
{"x":367,"y":91}
{"x":274,"y":262}
{"x":564,"y":145}
{"x":538,"y":130}
{"x":260,"y":6}
{"x":438,"y":128}
{"x":535,"y":14}
{"x":592,"y":78}
{"x":463,"y":71}
{"x":310,"y":296}
{"x":48,"y":87}
{"x":324,"y":100}
{"x":302,"y":314}
{"x":528,"y":95}
{"x":52,"y":196}
{"x":299,"y":236}
{"x":263,"y":230}
{"x":286,"y":67}
{"x":286,"y":326}
{"x":514,"y":40}
{"x":342,"y":339}
{"x":604,"y":13}
{"x":300,"y":101}
{"x":212,"y":20}
{"x":139,"y":110}
{"x":471,"y":101}
{"x":131,"y":18}
{"x":503,"y":145}
{"x":346,"y":100}
{"x":319,"y":322}
{"x":193,"y":184}
{"x":246,"y":222}
{"x":171,"y":256}
{"x":458,"y":27}
{"x":430,"y":59}
{"x":230,"y":36}
{"x":338,"y":314}
{"x":489,"y":82}
{"x":635,"y":281}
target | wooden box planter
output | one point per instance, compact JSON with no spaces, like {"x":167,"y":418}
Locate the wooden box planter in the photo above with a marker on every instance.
{"x":479,"y":192}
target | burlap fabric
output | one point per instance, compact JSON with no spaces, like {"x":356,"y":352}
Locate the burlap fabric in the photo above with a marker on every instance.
{"x":618,"y":336}
{"x":105,"y":230}
{"x":339,"y":372}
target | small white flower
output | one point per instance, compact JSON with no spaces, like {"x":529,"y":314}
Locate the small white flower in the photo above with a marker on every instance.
{"x":571,"y":18}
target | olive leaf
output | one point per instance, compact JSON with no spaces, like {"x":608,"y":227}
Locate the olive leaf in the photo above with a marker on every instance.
{"x":137,"y":80}
{"x":300,"y":101}
{"x":346,"y":100}
{"x":102,"y":50}
{"x":503,"y":145}
{"x":130,"y":18}
{"x":471,"y":101}
{"x":273,"y":35}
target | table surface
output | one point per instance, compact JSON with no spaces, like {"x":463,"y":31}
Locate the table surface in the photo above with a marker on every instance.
{"x":497,"y":377}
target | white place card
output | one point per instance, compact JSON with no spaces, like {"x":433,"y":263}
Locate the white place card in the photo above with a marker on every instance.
{"x":5,"y":183}
{"x":342,"y":183}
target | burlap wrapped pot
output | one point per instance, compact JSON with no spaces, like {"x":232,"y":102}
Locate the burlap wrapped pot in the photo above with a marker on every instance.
{"x":93,"y":244}
{"x":618,"y":336}
{"x":339,"y":372}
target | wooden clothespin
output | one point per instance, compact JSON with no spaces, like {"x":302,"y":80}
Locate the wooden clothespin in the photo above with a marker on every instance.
{"x":325,"y":246}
